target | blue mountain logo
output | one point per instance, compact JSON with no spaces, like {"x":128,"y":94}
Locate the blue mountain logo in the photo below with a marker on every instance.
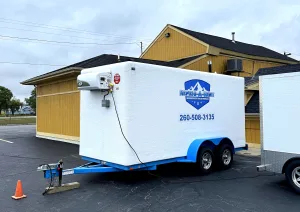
{"x":197,"y":93}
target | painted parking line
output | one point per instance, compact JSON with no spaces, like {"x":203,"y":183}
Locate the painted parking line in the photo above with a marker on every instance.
{"x":6,"y":141}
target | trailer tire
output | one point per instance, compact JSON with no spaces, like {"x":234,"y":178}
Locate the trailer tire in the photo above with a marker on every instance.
{"x":205,"y":160}
{"x":292,"y":175}
{"x":224,"y":156}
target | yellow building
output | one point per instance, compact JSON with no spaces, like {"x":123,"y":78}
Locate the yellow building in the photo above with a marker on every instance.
{"x":58,"y":97}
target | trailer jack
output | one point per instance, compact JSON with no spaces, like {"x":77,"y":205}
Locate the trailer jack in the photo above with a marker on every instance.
{"x":54,"y":171}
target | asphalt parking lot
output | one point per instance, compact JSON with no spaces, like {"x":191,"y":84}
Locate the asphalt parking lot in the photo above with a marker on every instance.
{"x":174,"y":187}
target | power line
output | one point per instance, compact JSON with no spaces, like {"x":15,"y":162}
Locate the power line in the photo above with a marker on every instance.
{"x":50,"y":33}
{"x":51,"y":27}
{"x":34,"y":64}
{"x":63,"y":42}
{"x":57,"y":44}
{"x":5,"y":20}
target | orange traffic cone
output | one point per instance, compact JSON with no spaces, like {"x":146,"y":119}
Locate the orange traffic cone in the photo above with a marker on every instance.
{"x":19,"y":191}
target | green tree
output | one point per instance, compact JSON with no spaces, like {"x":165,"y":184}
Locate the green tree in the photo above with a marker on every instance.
{"x":14,"y":105}
{"x":31,"y":101}
{"x":5,"y":97}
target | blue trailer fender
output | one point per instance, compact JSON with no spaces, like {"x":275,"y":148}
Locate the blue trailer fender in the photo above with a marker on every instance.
{"x":196,"y":144}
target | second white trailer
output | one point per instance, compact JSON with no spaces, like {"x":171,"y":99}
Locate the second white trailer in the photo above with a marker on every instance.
{"x":279,"y":118}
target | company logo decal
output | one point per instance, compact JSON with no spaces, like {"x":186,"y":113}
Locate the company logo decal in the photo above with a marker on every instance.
{"x":197,"y":93}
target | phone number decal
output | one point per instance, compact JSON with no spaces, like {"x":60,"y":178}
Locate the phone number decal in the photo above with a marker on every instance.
{"x":197,"y":117}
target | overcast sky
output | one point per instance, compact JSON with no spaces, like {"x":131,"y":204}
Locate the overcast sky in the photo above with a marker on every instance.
{"x":273,"y":24}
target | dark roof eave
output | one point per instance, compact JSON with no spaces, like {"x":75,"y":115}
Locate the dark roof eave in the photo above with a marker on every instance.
{"x":252,"y":114}
{"x":240,"y":47}
{"x":261,"y":58}
{"x":99,"y":61}
{"x":47,"y":76}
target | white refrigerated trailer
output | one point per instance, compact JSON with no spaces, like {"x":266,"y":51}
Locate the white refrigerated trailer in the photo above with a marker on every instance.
{"x":136,"y":116}
{"x":279,"y":118}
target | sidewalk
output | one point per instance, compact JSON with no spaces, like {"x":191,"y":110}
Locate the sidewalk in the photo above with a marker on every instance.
{"x":250,"y":152}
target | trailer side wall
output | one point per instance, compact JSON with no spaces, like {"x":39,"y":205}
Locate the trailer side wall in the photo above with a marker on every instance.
{"x":280,"y":115}
{"x":161,"y":113}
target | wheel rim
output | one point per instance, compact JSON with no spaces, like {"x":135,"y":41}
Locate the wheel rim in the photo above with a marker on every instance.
{"x":226,"y":157}
{"x":206,"y":160}
{"x":296,"y":176}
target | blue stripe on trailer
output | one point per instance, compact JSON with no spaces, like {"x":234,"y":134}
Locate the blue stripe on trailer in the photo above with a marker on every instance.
{"x":98,"y":168}
{"x":147,"y":166}
{"x":95,"y":169}
{"x":185,"y":160}
{"x":241,"y":148}
{"x":104,"y":169}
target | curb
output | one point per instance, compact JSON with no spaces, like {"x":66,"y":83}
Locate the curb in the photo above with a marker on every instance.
{"x":3,"y":125}
{"x":249,"y":153}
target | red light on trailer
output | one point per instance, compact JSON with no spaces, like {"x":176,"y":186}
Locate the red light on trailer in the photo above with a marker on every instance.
{"x":117,"y":78}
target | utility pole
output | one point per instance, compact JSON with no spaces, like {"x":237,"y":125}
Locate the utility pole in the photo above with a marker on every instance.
{"x":141,"y":47}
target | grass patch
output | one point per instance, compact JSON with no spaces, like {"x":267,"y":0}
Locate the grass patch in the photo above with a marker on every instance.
{"x":8,"y":120}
